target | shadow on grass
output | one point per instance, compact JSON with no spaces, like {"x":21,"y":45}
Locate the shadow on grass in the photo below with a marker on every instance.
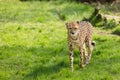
{"x":41,"y":58}
{"x":45,"y":70}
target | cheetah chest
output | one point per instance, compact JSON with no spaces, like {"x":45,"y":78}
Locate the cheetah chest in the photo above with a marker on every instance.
{"x":76,"y":42}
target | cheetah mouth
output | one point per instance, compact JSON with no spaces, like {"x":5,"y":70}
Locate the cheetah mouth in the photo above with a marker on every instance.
{"x":74,"y":37}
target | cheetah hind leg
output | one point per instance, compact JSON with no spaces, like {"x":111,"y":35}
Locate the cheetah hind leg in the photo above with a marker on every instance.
{"x":86,"y":61}
{"x":91,"y":47}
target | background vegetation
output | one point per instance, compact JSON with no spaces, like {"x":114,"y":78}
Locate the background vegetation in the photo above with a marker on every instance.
{"x":33,"y":43}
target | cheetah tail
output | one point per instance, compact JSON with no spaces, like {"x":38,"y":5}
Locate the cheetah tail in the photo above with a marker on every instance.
{"x":93,"y":44}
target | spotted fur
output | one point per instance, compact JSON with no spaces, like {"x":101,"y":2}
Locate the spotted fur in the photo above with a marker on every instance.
{"x":80,"y":35}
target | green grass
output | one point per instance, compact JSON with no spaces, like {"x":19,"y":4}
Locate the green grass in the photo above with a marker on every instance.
{"x":33,"y":43}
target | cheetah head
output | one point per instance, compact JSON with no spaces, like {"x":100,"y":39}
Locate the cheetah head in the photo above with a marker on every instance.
{"x":72,"y":28}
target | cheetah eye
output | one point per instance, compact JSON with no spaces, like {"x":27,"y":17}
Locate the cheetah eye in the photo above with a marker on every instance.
{"x":70,"y":28}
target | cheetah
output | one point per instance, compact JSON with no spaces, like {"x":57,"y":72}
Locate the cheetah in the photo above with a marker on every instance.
{"x":80,"y":36}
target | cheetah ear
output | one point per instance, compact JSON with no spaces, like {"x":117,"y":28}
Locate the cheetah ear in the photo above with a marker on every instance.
{"x":66,"y":25}
{"x":78,"y":22}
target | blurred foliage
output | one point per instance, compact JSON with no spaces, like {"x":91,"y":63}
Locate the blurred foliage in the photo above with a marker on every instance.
{"x":111,"y":9}
{"x":88,"y":1}
{"x":111,"y":24}
{"x":34,"y":0}
{"x":117,"y":30}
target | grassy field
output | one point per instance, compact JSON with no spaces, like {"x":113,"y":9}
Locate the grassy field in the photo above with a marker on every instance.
{"x":33,"y":43}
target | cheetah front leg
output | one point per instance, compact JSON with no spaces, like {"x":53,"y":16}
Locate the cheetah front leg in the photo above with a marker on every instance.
{"x":71,"y":56}
{"x":81,"y":57}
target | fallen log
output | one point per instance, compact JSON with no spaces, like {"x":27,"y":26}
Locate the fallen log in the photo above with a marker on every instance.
{"x":102,"y":20}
